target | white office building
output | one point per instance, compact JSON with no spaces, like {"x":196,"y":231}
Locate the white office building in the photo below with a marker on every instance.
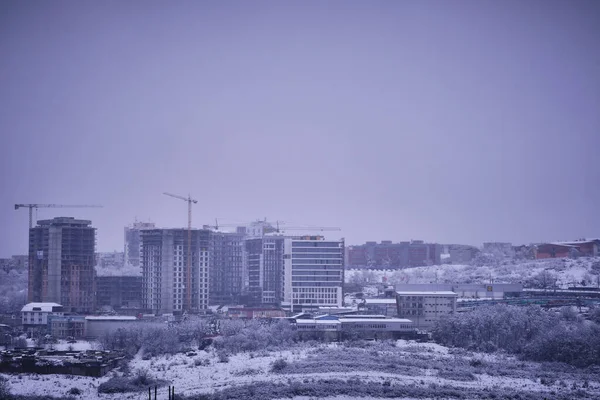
{"x":313,"y":273}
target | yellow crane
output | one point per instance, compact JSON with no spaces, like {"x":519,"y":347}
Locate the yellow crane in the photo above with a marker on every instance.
{"x":188,"y":281}
{"x":36,"y":206}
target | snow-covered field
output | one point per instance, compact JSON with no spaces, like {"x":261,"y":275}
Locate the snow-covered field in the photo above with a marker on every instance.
{"x":418,"y":365}
{"x":567,"y":272}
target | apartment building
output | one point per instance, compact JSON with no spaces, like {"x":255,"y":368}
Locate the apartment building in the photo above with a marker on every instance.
{"x":167,"y":286}
{"x":226,"y":269}
{"x":62,"y":259}
{"x":390,"y":255}
{"x":264,"y":258}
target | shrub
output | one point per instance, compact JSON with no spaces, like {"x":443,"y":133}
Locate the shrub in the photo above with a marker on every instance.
{"x":222,"y":356}
{"x":139,"y":382}
{"x":279,"y":365}
{"x":74,"y":391}
{"x":4,"y":388}
{"x":20,"y":343}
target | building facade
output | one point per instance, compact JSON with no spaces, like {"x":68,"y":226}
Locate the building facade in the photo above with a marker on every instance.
{"x":313,"y":273}
{"x":167,"y":286}
{"x":119,"y":291}
{"x":226,"y":275}
{"x":35,"y":316}
{"x":61,"y":267}
{"x":388,"y":255}
{"x":264,"y":258}
{"x":132,"y":242}
{"x":425,"y":308}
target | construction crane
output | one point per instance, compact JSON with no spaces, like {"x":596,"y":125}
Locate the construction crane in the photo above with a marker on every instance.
{"x":36,"y":206}
{"x":188,"y":281}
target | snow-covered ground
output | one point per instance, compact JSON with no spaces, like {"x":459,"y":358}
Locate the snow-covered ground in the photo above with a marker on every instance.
{"x":203,"y":373}
{"x":567,"y":272}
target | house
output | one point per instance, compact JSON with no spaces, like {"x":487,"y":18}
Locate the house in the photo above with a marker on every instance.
{"x":555,"y":250}
{"x":34,"y":316}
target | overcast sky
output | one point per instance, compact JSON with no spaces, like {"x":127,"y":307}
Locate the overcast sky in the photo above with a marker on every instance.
{"x":447,"y":121}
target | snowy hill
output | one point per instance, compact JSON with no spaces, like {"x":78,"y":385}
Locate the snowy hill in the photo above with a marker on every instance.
{"x":531,"y":273}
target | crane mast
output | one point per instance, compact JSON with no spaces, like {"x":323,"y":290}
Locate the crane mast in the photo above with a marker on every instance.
{"x":188,"y":283}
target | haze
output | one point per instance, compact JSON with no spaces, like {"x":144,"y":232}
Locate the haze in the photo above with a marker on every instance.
{"x":451,"y":122}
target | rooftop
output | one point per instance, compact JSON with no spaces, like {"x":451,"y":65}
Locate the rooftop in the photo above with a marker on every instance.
{"x":427,"y":293}
{"x":43,"y":307}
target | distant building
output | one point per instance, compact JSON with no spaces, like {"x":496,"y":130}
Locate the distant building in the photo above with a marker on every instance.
{"x":251,"y":313}
{"x":388,"y":255}
{"x":461,"y":254}
{"x":62,"y":254}
{"x":132,"y":242}
{"x":554,"y":250}
{"x":425,"y":308}
{"x":264,"y":258}
{"x":163,"y":259}
{"x":111,"y":259}
{"x":467,"y":290}
{"x":313,"y":273}
{"x":226,"y":271}
{"x":119,"y":291}
{"x":499,"y":248}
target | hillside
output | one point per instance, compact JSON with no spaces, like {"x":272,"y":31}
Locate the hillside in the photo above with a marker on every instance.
{"x":531,"y":273}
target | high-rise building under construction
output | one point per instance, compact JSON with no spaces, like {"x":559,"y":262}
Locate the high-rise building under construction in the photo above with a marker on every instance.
{"x":166,"y":286}
{"x":61,"y":263}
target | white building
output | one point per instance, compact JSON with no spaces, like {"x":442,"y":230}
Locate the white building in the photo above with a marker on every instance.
{"x":167,"y":285}
{"x":425,"y":308}
{"x":34,"y":316}
{"x":313,"y":273}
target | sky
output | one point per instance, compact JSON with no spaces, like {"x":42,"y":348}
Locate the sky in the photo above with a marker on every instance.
{"x":449,"y":122}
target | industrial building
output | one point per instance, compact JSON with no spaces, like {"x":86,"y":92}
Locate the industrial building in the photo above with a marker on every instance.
{"x":313,"y":273}
{"x":333,"y":327}
{"x":61,"y":267}
{"x":167,"y":285}
{"x":425,"y":308}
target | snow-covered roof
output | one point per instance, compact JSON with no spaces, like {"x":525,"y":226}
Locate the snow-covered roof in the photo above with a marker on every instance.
{"x":380,"y":301}
{"x":43,"y":307}
{"x":110,"y":318}
{"x":401,"y":320}
{"x":318,"y":321}
{"x":432,"y":293}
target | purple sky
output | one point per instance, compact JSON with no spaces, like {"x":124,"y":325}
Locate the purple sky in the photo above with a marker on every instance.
{"x":447,"y":121}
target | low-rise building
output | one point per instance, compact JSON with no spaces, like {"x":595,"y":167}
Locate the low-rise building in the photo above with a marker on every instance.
{"x":251,"y":313}
{"x":495,"y":291}
{"x":425,"y":308}
{"x":385,"y":306}
{"x":96,"y":326}
{"x":34,"y":316}
{"x":66,"y":326}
